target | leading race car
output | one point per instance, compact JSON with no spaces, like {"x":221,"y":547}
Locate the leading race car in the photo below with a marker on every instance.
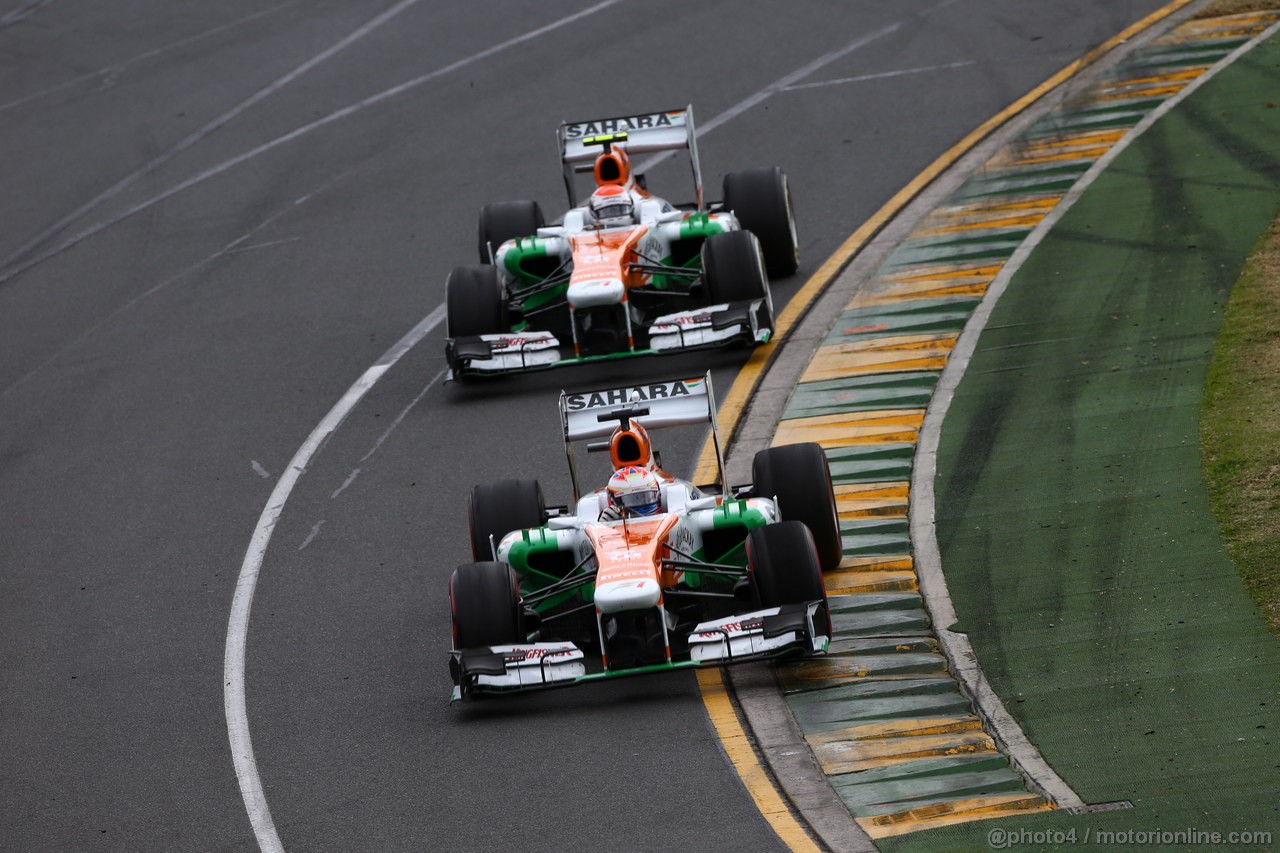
{"x":624,"y":273}
{"x":650,"y":572}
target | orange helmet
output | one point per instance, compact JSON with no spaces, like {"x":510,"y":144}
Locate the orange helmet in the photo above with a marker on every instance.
{"x":631,"y":446}
{"x":613,"y":167}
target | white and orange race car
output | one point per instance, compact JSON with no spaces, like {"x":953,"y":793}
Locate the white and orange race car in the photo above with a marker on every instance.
{"x":624,"y":273}
{"x":651,"y":573}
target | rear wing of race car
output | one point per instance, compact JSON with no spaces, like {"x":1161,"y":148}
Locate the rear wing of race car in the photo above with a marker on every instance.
{"x":670,"y":130}
{"x":589,"y":415}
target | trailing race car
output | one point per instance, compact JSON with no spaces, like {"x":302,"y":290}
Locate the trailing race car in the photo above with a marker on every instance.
{"x":625,"y":273}
{"x":651,"y":572}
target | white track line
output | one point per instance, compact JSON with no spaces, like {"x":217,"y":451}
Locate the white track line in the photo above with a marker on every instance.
{"x":228,"y":249}
{"x":863,"y":78}
{"x":117,"y":67}
{"x":233,"y":666}
{"x":16,"y":266}
{"x":19,"y":14}
{"x":933,"y":583}
{"x":790,"y":80}
{"x":207,"y":128}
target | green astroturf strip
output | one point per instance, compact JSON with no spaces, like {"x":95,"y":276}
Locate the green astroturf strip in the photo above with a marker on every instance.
{"x":1074,"y":524}
{"x":861,"y":394}
{"x":913,"y":254}
{"x":910,"y":317}
{"x":915,"y":784}
{"x":870,"y":701}
{"x":872,"y":463}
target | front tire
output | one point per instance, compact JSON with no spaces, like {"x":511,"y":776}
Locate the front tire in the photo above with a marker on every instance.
{"x":496,"y":509}
{"x":783,"y":564}
{"x":733,"y":271}
{"x":475,"y":302}
{"x":799,"y":478}
{"x":506,"y":220}
{"x":484,"y":606}
{"x":761,"y":200}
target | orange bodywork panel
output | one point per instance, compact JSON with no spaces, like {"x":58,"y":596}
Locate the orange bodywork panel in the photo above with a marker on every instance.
{"x":607,"y":254}
{"x":632,"y":551}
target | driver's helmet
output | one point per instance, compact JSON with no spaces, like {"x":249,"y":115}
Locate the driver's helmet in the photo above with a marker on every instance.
{"x":635,"y":490}
{"x":611,"y":206}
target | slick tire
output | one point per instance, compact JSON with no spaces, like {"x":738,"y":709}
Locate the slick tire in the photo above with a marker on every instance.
{"x":783,"y":565}
{"x":496,"y":509}
{"x":761,"y":199}
{"x":733,"y":271}
{"x":484,"y":606}
{"x":506,"y":220}
{"x":798,"y":477}
{"x":475,"y":302}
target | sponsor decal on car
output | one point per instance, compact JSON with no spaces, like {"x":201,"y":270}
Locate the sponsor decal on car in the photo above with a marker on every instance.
{"x":613,"y":125}
{"x":618,"y":396}
{"x":731,"y":628}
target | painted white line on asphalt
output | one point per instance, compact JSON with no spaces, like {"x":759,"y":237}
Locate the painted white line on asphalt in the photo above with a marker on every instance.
{"x":14,"y":266}
{"x":355,"y":472}
{"x":315,"y":531}
{"x":405,"y":411}
{"x":933,"y":583}
{"x":791,"y":79}
{"x":259,"y":470}
{"x":862,"y":78}
{"x":351,"y":478}
{"x":111,"y":71}
{"x":233,"y":665}
{"x":225,"y":250}
{"x":22,"y":12}
{"x":206,"y":129}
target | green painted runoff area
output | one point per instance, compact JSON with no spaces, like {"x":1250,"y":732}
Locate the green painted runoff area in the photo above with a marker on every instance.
{"x":1073,"y":519}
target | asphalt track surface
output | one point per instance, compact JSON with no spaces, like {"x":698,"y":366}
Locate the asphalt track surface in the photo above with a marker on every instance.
{"x":213,"y":219}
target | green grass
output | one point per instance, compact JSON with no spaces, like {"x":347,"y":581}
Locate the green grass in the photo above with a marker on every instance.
{"x":1240,"y":426}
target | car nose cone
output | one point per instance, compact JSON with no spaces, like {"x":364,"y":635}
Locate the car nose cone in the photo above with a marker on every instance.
{"x":595,"y":293}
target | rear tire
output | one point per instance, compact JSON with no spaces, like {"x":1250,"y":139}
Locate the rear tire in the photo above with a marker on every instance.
{"x":506,"y":220}
{"x":761,"y":199}
{"x":475,"y":302}
{"x":798,"y":476}
{"x":484,"y":605}
{"x":783,"y":564}
{"x":496,"y":509}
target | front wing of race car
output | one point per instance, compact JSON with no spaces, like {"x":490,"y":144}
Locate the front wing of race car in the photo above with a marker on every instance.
{"x":789,"y":630}
{"x":720,"y":325}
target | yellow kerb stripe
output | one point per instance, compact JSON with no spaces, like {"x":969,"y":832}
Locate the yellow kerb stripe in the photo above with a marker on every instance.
{"x":952,"y":811}
{"x":740,"y":751}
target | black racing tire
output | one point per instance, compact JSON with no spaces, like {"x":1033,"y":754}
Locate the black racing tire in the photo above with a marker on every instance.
{"x":733,"y":269}
{"x":496,"y":509}
{"x":475,"y":302}
{"x":783,"y":564}
{"x":761,"y":199}
{"x":798,"y":476}
{"x":484,"y":606}
{"x":505,"y":220}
